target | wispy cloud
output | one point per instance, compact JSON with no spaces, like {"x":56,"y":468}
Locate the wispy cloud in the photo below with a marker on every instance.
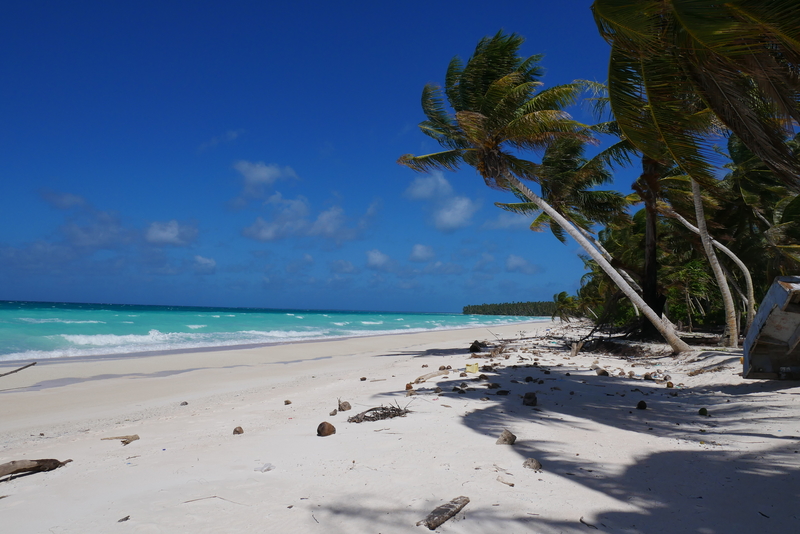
{"x":448,"y":211}
{"x":378,"y":261}
{"x":227,"y":137}
{"x":518,"y":264}
{"x":170,"y":233}
{"x":290,"y":219}
{"x":421,"y":253}
{"x":63,"y":201}
{"x":204,"y":265}
{"x":257,"y":177}
{"x":509,"y":221}
{"x":342,"y":267}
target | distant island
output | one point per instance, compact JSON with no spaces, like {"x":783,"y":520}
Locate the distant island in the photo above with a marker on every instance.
{"x":538,"y":309}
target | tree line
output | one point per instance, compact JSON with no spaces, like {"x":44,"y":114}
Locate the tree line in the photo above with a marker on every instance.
{"x":528,"y":309}
{"x":690,"y":83}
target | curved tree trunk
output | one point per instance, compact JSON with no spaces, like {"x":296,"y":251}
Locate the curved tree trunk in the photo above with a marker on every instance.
{"x":750,"y":299}
{"x":727,"y":298}
{"x":677,"y":344}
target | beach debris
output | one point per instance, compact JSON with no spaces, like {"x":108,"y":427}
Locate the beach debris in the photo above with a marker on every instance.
{"x":529,"y":399}
{"x":423,"y":378}
{"x":506,"y":482}
{"x":287,"y":402}
{"x":442,"y":513}
{"x":641,"y":405}
{"x":126,"y":440}
{"x":502,"y":392}
{"x":702,"y":411}
{"x":477,"y":346}
{"x":670,"y":385}
{"x":472,"y":368}
{"x":30,"y":466}
{"x":409,"y":386}
{"x":344,"y":405}
{"x":184,"y":403}
{"x":325,"y":429}
{"x":264,"y":468}
{"x":334,"y":412}
{"x":506,"y":438}
{"x":588,"y":524}
{"x":533,"y":463}
{"x":484,"y":398}
{"x":528,"y":379}
{"x":238,"y":430}
{"x":410,"y":393}
{"x":378,"y":413}
{"x":442,"y":368}
{"x":424,"y":365}
{"x":18,"y":370}
{"x":462,"y":375}
{"x":494,"y":385}
{"x":127,"y":517}
{"x":601,"y":372}
{"x":363,"y":378}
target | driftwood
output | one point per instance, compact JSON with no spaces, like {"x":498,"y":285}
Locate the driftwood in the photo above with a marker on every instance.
{"x":126,"y":440}
{"x":423,"y":378}
{"x":18,"y":370}
{"x":30,"y":466}
{"x":378,"y":413}
{"x":444,"y":512}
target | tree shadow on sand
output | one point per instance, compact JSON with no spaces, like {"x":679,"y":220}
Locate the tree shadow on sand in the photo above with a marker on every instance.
{"x":714,"y":482}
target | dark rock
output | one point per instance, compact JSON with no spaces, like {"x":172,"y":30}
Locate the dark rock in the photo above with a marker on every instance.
{"x":462,"y":375}
{"x":530,"y":399}
{"x":476,"y":346}
{"x":442,"y":368}
{"x":437,"y":389}
{"x":184,"y":403}
{"x":409,"y":386}
{"x":506,"y":438}
{"x":546,"y":372}
{"x":325,"y":429}
{"x":493,"y":385}
{"x":424,"y":365}
{"x":344,"y":406}
{"x":532,"y":463}
{"x":334,"y":412}
{"x":702,"y":411}
{"x":502,"y":392}
{"x":541,"y":382}
{"x":642,"y":405}
{"x":528,"y":379}
{"x":238,"y":430}
{"x":363,"y":378}
{"x":287,"y":402}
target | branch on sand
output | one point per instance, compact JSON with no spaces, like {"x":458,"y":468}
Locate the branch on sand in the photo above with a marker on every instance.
{"x":18,"y":370}
{"x":378,"y":413}
{"x":30,"y":466}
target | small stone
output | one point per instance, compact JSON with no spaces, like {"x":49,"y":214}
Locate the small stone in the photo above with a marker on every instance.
{"x":601,"y":372}
{"x":670,"y":385}
{"x":484,"y":398}
{"x":533,"y":463}
{"x":410,"y":393}
{"x":631,"y":374}
{"x":506,"y":438}
{"x":476,"y":346}
{"x":424,"y":365}
{"x":334,"y":412}
{"x":502,"y":392}
{"x":648,"y":376}
{"x":344,"y":406}
{"x":462,"y":375}
{"x":409,"y":386}
{"x":287,"y":402}
{"x":702,"y":411}
{"x":448,"y":367}
{"x":567,"y":374}
{"x":238,"y":430}
{"x":494,"y":385}
{"x":325,"y":429}
{"x":641,"y":405}
{"x":528,"y":379}
{"x":546,"y":372}
{"x":483,"y":377}
{"x":184,"y":403}
{"x":442,"y":368}
{"x":437,"y":389}
{"x":363,"y":378}
{"x":540,"y":382}
{"x":529,"y":399}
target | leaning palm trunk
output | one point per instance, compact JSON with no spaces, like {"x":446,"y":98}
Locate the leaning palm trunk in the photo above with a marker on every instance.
{"x":677,"y":344}
{"x":750,"y":299}
{"x":727,"y":298}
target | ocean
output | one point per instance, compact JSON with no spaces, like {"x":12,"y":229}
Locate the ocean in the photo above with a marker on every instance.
{"x":43,"y":330}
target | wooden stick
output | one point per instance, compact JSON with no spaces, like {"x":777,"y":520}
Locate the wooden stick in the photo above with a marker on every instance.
{"x":423,"y":378}
{"x":30,"y":466}
{"x":126,"y":440}
{"x":18,"y":370}
{"x":442,"y":513}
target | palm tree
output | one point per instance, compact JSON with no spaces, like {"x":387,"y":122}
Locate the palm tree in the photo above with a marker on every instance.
{"x":496,"y":113}
{"x":739,"y":60}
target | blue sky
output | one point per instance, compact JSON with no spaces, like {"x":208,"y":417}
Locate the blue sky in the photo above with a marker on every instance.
{"x":244,"y":154}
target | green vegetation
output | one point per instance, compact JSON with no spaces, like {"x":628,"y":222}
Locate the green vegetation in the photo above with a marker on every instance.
{"x":685,"y":80}
{"x":530,"y":309}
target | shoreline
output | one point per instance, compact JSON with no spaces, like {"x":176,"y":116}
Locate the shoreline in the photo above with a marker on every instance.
{"x":211,"y":348}
{"x":605,"y":463}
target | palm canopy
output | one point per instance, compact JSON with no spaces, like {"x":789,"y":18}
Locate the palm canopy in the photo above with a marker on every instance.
{"x":568,"y":180}
{"x":672,"y":61}
{"x":496,"y":111}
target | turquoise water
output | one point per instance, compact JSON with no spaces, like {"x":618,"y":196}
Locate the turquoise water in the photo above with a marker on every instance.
{"x":37,"y":330}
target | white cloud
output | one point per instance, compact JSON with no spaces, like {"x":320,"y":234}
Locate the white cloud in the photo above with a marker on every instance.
{"x":454,"y":213}
{"x":331,"y":224}
{"x":430,"y":187}
{"x":227,"y":137}
{"x":421,"y":253}
{"x":204,"y":265}
{"x":342,"y":267}
{"x":506,"y":220}
{"x":517,"y":264}
{"x":377,"y":260}
{"x":170,"y":233}
{"x":290,"y":220}
{"x":63,"y":201}
{"x":257,"y":176}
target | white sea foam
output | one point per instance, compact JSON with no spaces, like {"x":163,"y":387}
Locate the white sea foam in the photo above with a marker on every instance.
{"x":54,"y":320}
{"x":371,"y":322}
{"x":196,"y":326}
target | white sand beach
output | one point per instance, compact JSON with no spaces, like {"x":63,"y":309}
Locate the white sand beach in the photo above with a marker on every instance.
{"x":606,"y":465}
